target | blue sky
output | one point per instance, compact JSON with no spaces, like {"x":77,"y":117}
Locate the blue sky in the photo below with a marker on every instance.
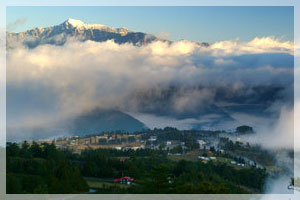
{"x":201,"y":23}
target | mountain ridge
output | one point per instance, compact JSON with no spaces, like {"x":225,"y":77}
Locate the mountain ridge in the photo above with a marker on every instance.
{"x":58,"y":34}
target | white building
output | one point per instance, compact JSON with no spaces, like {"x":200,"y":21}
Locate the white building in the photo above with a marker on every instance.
{"x":153,"y":138}
{"x":201,"y":143}
{"x":118,"y":148}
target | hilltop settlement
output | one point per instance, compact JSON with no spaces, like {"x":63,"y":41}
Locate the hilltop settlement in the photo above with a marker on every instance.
{"x":151,"y":161}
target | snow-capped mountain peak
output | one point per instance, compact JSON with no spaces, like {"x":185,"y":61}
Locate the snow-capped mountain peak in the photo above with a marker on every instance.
{"x":81,"y":26}
{"x":74,"y":22}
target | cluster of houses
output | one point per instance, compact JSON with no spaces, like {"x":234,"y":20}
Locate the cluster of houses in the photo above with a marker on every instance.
{"x":101,"y":139}
{"x":114,"y":141}
{"x":126,"y":142}
{"x":205,"y":159}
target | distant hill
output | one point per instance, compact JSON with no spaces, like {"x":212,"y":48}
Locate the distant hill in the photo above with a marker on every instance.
{"x":244,"y":129}
{"x":92,"y":122}
{"x":98,"y":120}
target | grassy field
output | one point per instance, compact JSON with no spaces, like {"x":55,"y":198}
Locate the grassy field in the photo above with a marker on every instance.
{"x":193,"y":156}
{"x":189,"y":156}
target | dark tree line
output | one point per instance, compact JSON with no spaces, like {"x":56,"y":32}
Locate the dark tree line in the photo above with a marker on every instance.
{"x":45,"y":169}
{"x":154,"y":173}
{"x":41,"y":169}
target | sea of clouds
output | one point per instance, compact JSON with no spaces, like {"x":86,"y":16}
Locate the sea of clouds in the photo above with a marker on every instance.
{"x":49,"y":83}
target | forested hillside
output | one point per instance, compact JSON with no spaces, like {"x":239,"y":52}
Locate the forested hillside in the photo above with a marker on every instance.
{"x":45,"y":169}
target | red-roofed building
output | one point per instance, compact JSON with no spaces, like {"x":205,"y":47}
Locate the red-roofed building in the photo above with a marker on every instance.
{"x":124,"y":180}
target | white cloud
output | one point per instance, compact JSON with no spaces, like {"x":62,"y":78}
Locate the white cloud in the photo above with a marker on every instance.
{"x":66,"y":80}
{"x":163,"y":35}
{"x":257,"y":45}
{"x":14,"y":25}
{"x":189,"y":100}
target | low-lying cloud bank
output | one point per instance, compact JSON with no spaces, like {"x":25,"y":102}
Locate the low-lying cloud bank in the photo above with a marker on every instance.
{"x":180,"y":80}
{"x":279,"y":135}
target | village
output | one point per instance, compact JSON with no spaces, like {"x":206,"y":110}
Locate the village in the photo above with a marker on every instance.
{"x":121,"y":142}
{"x":120,"y":161}
{"x":199,"y":147}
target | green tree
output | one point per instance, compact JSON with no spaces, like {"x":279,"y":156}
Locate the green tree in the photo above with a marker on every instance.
{"x":160,"y":180}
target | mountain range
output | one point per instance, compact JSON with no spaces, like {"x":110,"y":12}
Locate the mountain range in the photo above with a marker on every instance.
{"x":59,"y":34}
